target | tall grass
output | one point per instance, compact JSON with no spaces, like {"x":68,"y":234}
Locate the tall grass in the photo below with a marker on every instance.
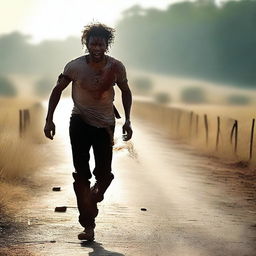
{"x":19,"y":157}
{"x":176,"y":123}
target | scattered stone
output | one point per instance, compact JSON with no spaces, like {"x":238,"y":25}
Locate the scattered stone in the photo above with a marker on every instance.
{"x":56,"y":188}
{"x":143,"y":209}
{"x":60,"y":209}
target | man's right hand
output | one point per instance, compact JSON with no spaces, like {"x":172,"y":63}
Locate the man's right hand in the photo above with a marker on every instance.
{"x":49,"y":129}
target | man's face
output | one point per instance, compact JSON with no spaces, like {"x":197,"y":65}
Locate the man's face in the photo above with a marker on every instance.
{"x":97,"y":47}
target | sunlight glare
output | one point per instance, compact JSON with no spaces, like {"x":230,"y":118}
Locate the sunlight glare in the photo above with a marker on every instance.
{"x":62,"y":18}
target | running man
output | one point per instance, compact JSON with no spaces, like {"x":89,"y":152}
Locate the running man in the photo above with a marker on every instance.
{"x":92,"y":122}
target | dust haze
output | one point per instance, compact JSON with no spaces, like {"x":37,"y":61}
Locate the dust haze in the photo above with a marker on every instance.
{"x":191,"y":69}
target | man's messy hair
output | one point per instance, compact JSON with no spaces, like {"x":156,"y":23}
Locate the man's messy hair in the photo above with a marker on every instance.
{"x":100,"y":30}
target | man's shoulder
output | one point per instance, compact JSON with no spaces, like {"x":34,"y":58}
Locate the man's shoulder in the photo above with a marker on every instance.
{"x":115,"y":61}
{"x":72,"y":66}
{"x":76,"y":61}
{"x":119,"y":70}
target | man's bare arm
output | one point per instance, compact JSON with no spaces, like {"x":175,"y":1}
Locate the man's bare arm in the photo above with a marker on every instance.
{"x":127,"y":103}
{"x":62,"y":83}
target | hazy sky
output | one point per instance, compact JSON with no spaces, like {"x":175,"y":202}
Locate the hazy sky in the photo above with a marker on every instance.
{"x":45,"y":19}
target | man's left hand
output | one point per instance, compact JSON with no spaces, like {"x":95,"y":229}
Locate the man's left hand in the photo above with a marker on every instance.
{"x":127,"y":131}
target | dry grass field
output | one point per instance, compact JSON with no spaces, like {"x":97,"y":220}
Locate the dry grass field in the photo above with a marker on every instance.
{"x":187,"y":123}
{"x":176,"y":120}
{"x":19,"y":157}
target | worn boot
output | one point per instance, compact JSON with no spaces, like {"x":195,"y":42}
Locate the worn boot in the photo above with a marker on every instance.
{"x":86,"y":205}
{"x":87,"y":234}
{"x":99,"y":188}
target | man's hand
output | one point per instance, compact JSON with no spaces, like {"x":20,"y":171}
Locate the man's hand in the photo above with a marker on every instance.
{"x":49,"y":129}
{"x":127,"y":131}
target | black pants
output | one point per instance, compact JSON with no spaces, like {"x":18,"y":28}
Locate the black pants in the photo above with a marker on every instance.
{"x":82,"y":137}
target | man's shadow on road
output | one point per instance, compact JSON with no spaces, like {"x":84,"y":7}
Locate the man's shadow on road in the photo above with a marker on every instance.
{"x":98,"y":250}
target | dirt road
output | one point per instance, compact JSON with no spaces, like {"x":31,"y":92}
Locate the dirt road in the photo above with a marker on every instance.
{"x":165,"y":200}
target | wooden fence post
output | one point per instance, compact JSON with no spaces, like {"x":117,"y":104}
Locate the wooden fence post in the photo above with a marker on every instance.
{"x":206,"y":128}
{"x":234,"y":130}
{"x":251,"y":140}
{"x":236,"y":136}
{"x":197,"y":121}
{"x":20,"y":122}
{"x":218,"y":133}
{"x":24,"y":121}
